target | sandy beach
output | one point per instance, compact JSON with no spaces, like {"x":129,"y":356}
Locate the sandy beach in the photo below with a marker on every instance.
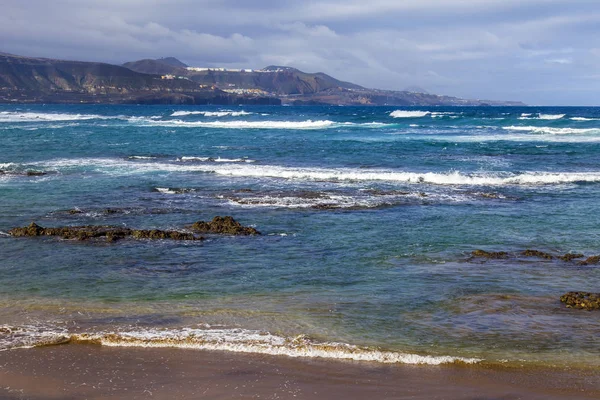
{"x":96,"y":372}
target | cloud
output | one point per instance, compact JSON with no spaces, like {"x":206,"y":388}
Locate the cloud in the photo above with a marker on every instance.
{"x":498,"y":49}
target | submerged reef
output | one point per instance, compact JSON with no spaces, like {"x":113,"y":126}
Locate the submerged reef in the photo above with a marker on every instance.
{"x":568,"y":257}
{"x":581,"y":300}
{"x":223,"y":225}
{"x":218,"y":225}
{"x":490,"y":254}
{"x":110,"y":233}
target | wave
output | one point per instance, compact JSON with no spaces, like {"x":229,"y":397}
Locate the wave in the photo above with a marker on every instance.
{"x":173,"y":190}
{"x":307,"y":124}
{"x":223,"y":113}
{"x":233,"y":340}
{"x":120,"y":167}
{"x":141,"y":157}
{"x":10,"y":116}
{"x":551,"y":130}
{"x":542,"y":116}
{"x":218,"y":159}
{"x":408,"y":114}
{"x":584,"y":119}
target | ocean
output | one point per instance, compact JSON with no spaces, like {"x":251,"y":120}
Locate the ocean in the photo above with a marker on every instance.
{"x":369,"y":217}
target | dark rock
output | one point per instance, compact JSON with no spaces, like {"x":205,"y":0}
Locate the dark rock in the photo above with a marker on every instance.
{"x":490,"y":254}
{"x":35,"y":173}
{"x":224,"y":225}
{"x":570,"y":256}
{"x":581,"y":300}
{"x":536,"y":253}
{"x":110,"y":233}
{"x":590,"y":261}
{"x":75,"y":211}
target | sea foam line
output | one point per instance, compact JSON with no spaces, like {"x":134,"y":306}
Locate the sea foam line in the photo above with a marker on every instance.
{"x":120,"y":167}
{"x":408,"y":114}
{"x":307,"y":124}
{"x":9,"y":116}
{"x":223,"y":113}
{"x":551,"y":130}
{"x":233,"y":340}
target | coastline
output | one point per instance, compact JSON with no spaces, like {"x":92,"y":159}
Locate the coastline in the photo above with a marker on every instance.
{"x":94,"y":372}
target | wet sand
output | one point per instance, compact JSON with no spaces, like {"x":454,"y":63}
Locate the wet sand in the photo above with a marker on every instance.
{"x":95,"y":372}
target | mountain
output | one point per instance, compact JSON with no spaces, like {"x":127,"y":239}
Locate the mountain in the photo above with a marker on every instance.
{"x":272,"y":79}
{"x":172,"y":61}
{"x":161,"y":66}
{"x":28,"y":79}
{"x":293,"y":86}
{"x":169,"y":81}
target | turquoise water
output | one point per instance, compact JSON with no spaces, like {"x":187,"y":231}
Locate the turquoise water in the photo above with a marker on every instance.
{"x":368,"y":215}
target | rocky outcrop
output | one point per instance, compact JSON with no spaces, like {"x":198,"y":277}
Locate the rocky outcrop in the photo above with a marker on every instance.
{"x":570,"y":256}
{"x":496,"y":255}
{"x":581,"y":300}
{"x":537,"y":253}
{"x":223,"y":225}
{"x":590,"y":261}
{"x":110,"y":233}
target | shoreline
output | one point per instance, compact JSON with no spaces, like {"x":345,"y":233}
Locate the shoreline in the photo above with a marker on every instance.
{"x":94,"y":372}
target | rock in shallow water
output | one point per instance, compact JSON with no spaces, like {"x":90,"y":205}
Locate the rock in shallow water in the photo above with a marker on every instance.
{"x":224,"y":225}
{"x":110,"y":233}
{"x":581,"y":300}
{"x":490,"y":254}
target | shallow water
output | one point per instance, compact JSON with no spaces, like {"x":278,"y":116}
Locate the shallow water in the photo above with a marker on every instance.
{"x":368,"y":215}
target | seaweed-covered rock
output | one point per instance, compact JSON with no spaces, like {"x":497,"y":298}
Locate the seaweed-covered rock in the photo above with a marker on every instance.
{"x":490,"y":254}
{"x":571,"y":256}
{"x":581,"y":300}
{"x":590,"y":261}
{"x":32,"y":230}
{"x":537,"y":253}
{"x":110,"y":233}
{"x":224,"y":225}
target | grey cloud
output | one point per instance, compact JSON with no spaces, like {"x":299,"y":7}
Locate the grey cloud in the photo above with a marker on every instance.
{"x":498,"y":49}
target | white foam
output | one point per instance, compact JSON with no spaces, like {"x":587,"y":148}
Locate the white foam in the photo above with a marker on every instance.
{"x":166,"y":190}
{"x":218,"y":159}
{"x":223,"y":113}
{"x":551,"y":116}
{"x":247,"y":341}
{"x":551,"y":130}
{"x":542,"y":116}
{"x":9,"y":116}
{"x":122,"y":167}
{"x":141,"y":157}
{"x":408,"y":114}
{"x":584,"y":119}
{"x":309,"y":124}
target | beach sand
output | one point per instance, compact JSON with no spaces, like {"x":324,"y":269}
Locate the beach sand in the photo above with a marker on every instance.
{"x":96,"y":372}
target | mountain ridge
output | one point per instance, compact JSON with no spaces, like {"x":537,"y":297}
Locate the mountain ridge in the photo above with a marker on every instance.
{"x":169,"y":81}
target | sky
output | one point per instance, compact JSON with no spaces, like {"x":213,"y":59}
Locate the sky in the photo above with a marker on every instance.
{"x":541,"y":52}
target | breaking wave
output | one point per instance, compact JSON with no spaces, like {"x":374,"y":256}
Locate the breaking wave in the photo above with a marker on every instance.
{"x":541,"y":116}
{"x":408,"y":114}
{"x":223,"y":113}
{"x":234,"y":340}
{"x":10,"y":116}
{"x":121,"y":167}
{"x":307,"y":124}
{"x":217,"y":159}
{"x":551,"y":130}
